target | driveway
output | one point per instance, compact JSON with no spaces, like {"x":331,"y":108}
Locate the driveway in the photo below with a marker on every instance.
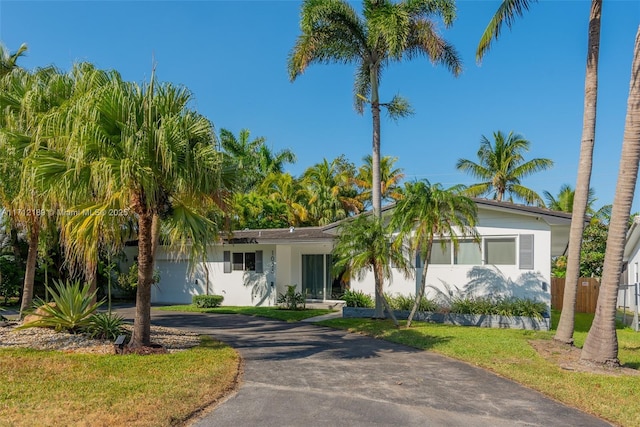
{"x":299,"y":374}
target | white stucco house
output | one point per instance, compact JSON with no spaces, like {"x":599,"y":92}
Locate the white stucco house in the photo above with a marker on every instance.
{"x":251,"y":267}
{"x":631,"y":270}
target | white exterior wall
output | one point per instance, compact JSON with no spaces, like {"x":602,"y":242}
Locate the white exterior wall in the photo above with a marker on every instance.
{"x":506,"y":280}
{"x":282,"y":266}
{"x":626,"y":297}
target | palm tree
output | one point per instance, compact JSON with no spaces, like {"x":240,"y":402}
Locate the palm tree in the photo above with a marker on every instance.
{"x":253,"y":159}
{"x":506,"y":14}
{"x":333,"y":32}
{"x":147,"y":157}
{"x":364,"y":244}
{"x":563,"y":202}
{"x":332,"y":196}
{"x":284,"y":188}
{"x":390,"y":178}
{"x":501,"y":166}
{"x":428,"y":211}
{"x":8,"y":60}
{"x":601,"y":344}
{"x":25,"y":100}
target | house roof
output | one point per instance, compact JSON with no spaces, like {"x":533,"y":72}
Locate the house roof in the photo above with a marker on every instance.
{"x":292,"y":234}
{"x":633,"y":236}
{"x":549,"y":216}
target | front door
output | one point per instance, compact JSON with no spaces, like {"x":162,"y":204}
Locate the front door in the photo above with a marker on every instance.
{"x":313,"y":275}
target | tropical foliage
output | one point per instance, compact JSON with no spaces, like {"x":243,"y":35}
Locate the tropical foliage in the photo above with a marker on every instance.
{"x":428,"y":211}
{"x":363,"y":245}
{"x":501,"y":167}
{"x":71,"y":310}
{"x":333,"y":32}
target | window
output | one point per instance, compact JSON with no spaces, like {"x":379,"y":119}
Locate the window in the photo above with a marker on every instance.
{"x":500,"y":251}
{"x":440,"y":254}
{"x":250,"y":261}
{"x":238,"y":261}
{"x":243,"y":261}
{"x":468,"y":253}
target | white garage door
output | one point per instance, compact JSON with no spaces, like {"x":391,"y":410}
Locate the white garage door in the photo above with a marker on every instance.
{"x":175,"y":287}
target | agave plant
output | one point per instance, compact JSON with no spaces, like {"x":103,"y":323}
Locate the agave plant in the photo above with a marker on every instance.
{"x":72,"y":311}
{"x":105,"y":326}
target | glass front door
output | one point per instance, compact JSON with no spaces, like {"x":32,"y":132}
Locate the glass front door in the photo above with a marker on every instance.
{"x":313,"y":276}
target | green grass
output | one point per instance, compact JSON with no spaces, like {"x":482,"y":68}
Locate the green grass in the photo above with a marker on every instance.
{"x":49,"y":388}
{"x":508,"y":353}
{"x":270,"y":312}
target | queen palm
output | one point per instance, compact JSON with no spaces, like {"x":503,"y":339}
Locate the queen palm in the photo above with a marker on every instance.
{"x":333,"y":32}
{"x":506,"y":14}
{"x":501,"y":167}
{"x":364,"y":245}
{"x":428,"y":211}
{"x":601,"y":344}
{"x":146,"y":156}
{"x":390,"y":178}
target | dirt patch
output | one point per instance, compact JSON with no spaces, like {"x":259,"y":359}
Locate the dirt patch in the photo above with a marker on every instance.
{"x":568,"y":358}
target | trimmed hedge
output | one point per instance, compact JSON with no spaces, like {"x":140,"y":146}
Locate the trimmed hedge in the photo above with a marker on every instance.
{"x":207,"y":301}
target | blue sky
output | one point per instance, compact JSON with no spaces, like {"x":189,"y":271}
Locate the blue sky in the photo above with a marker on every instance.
{"x":233,"y":55}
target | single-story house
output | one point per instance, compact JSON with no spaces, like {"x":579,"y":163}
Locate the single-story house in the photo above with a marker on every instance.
{"x":629,"y":286}
{"x":251,"y":267}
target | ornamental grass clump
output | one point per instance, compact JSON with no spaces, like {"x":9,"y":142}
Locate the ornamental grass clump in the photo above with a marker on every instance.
{"x":71,"y":310}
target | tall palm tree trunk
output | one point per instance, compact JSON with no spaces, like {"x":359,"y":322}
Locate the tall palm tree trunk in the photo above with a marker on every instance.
{"x":581,"y":197}
{"x":601,"y":345}
{"x":142,"y":322}
{"x":376,"y":200}
{"x":30,"y":270}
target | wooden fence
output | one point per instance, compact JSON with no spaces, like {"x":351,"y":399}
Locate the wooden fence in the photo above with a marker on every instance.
{"x":586,"y":298}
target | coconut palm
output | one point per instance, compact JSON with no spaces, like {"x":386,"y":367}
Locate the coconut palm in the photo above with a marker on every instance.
{"x":147,"y":157}
{"x":8,"y":60}
{"x":390,"y":178}
{"x":601,"y":344}
{"x":429,"y":211}
{"x":501,"y":166}
{"x":333,"y":32}
{"x":364,"y":244}
{"x":563,"y":202}
{"x":505,"y":15}
{"x":332,"y":196}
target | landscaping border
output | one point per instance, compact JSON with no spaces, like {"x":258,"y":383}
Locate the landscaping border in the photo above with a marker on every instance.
{"x":480,"y":320}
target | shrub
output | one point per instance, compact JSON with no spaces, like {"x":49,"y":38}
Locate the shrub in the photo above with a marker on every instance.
{"x":72,"y":310}
{"x":357,"y":299}
{"x":402,"y":302}
{"x":128,"y":282}
{"x":207,"y":301}
{"x":292,"y":299}
{"x":10,"y":277}
{"x":105,"y":326}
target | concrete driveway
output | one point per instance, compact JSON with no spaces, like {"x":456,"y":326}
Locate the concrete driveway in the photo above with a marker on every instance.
{"x":299,"y":374}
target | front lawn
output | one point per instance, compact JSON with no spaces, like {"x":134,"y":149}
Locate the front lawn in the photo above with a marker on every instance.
{"x":50,"y":388}
{"x":508,"y":353}
{"x":270,"y":312}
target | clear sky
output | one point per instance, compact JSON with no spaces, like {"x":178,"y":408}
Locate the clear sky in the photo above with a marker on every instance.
{"x":233,"y":56}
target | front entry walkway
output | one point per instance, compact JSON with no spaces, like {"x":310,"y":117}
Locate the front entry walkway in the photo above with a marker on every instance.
{"x":298,"y":374}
